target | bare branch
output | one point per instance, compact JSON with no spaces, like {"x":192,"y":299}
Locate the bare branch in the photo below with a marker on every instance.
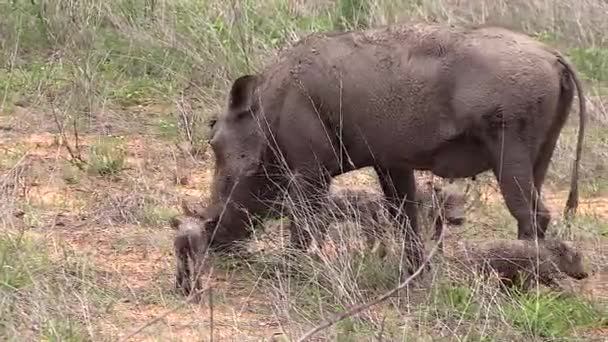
{"x":76,"y":156}
{"x":211,"y":325}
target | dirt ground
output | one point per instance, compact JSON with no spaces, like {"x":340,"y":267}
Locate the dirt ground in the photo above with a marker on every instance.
{"x":91,"y":215}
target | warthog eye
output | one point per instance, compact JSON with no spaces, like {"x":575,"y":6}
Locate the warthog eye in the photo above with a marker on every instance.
{"x":243,"y":114}
{"x":209,"y":225}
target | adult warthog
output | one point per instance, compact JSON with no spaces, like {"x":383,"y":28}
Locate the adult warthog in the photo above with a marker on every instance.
{"x":453,"y":100}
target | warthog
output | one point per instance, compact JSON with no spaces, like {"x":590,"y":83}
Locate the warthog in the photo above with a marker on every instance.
{"x":366,"y":207}
{"x":456,"y":101}
{"x":520,"y":262}
{"x":190,"y":245}
{"x":441,"y":205}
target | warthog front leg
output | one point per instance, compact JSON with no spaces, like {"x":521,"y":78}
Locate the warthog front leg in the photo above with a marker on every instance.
{"x":307,"y":196}
{"x":399,"y":187}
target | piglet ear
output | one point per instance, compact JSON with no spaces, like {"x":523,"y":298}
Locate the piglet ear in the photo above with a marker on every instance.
{"x":242,"y":92}
{"x":175,"y":222}
{"x":186,"y":207}
{"x":191,"y":208}
{"x":211,"y":128}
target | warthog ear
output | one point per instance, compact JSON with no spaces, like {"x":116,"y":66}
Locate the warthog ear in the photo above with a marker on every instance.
{"x":241,"y":94}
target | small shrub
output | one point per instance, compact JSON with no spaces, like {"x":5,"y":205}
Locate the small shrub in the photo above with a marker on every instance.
{"x":154,"y":215}
{"x":70,"y":174}
{"x":107,"y":156}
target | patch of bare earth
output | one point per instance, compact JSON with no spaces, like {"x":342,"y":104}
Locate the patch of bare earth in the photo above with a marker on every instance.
{"x":135,"y":266}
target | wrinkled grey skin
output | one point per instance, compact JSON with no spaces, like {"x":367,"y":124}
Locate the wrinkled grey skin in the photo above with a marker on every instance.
{"x":455,"y":101}
{"x":190,"y":245}
{"x":520,"y":262}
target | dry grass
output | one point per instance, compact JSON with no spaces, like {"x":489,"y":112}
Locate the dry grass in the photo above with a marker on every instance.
{"x":85,"y":247}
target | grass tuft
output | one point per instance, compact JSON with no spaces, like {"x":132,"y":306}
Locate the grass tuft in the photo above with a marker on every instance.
{"x":107,"y":157}
{"x":550,"y":315}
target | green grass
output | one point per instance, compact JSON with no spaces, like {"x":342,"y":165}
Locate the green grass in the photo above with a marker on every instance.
{"x":312,"y":284}
{"x":70,"y":174}
{"x":167,"y":127}
{"x":592,"y":62}
{"x":585,"y":225}
{"x":63,"y":330}
{"x":9,"y":158}
{"x":107,"y":156}
{"x":38,"y":290}
{"x":457,"y":301}
{"x":133,"y":58}
{"x":593,"y":179}
{"x":155,"y":215}
{"x":19,"y":258}
{"x":548,"y":315}
{"x":353,"y":14}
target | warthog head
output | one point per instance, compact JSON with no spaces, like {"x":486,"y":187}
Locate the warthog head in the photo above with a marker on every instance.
{"x":244,"y":181}
{"x":454,"y":202}
{"x":190,"y":244}
{"x":451,"y":200}
{"x":567,"y":259}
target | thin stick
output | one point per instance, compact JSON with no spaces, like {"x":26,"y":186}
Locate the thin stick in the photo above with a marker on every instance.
{"x":381,"y":332}
{"x":210,"y":315}
{"x":75,"y":156}
{"x":191,"y":298}
{"x":362,"y":307}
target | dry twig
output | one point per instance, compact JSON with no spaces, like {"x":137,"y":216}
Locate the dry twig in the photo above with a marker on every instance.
{"x":76,"y":155}
{"x":362,"y":307}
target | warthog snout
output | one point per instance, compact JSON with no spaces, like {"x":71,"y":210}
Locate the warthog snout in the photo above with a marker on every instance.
{"x":580,"y":275}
